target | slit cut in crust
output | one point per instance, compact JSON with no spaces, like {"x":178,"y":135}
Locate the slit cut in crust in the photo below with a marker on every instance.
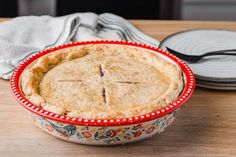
{"x":101,"y":70}
{"x":128,"y":82}
{"x":104,"y":95}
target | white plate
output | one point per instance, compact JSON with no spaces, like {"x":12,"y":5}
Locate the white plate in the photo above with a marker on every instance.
{"x":217,"y":85}
{"x":199,"y":41}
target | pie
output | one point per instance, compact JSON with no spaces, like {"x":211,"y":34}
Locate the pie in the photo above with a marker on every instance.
{"x":101,"y":81}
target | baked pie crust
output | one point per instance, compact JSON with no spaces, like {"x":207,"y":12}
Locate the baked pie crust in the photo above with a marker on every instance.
{"x":101,"y":81}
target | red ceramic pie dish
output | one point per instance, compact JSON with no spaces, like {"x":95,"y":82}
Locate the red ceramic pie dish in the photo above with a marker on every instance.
{"x":104,"y":131}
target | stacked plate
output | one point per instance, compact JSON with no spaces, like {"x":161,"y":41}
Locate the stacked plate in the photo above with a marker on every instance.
{"x":216,"y":72}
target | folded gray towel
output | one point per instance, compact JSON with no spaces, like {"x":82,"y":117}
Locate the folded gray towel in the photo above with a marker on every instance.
{"x":24,"y":36}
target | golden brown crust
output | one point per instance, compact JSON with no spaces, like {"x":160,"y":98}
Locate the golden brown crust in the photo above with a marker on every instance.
{"x":100,"y":81}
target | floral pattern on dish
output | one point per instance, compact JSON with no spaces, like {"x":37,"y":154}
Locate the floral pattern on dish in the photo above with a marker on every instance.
{"x":104,"y":135}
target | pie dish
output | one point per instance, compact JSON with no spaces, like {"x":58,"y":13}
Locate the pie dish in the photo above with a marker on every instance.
{"x":101,"y":81}
{"x":102,"y":92}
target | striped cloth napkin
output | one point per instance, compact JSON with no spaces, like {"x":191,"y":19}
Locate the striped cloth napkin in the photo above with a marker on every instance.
{"x":24,"y":36}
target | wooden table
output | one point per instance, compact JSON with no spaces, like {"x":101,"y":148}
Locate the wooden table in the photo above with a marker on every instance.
{"x":206,"y":126}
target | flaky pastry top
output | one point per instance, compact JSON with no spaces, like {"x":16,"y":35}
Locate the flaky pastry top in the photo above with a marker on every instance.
{"x":101,"y":81}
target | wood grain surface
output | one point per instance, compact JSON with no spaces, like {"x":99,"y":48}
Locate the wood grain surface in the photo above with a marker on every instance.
{"x":206,"y":125}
